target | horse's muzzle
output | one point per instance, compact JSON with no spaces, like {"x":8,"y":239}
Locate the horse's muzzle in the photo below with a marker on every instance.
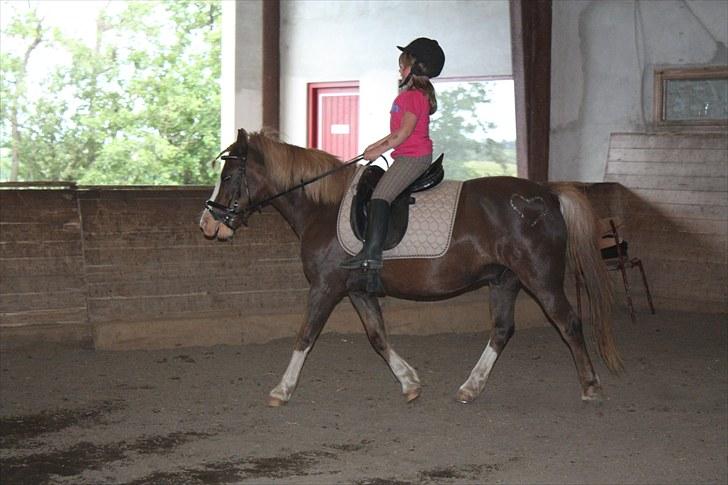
{"x":232,"y":217}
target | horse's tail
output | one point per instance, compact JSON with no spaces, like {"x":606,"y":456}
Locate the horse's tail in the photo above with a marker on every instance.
{"x":583,"y":233}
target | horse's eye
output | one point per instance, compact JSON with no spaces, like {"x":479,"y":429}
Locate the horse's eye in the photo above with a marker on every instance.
{"x":226,"y":178}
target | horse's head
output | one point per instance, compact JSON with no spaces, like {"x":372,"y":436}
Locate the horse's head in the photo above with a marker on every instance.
{"x":227,"y":208}
{"x":260,"y":170}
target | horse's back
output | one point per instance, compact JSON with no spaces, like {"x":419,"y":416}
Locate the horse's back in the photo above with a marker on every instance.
{"x":497,"y":187}
{"x":508,"y":202}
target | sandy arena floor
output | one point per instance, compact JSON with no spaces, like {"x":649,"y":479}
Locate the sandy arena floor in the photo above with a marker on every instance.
{"x":198,"y":415}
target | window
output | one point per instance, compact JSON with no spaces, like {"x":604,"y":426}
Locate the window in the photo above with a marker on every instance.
{"x":475,"y":126}
{"x":110,"y":93}
{"x":691,"y":97}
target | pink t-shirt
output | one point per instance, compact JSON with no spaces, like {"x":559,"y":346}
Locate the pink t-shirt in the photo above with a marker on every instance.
{"x":418,"y":144}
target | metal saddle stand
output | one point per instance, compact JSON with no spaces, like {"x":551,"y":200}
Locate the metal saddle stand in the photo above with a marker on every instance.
{"x":398,"y":218}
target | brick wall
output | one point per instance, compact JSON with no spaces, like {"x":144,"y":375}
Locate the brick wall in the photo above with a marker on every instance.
{"x":125,"y":268}
{"x":42,"y":287}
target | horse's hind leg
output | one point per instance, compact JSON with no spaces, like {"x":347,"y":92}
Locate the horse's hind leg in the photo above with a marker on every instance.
{"x":502,"y":306}
{"x":320,"y":305}
{"x":367,"y":307}
{"x":558,"y":308}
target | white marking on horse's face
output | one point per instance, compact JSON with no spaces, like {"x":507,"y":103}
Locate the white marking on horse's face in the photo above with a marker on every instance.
{"x":208,"y":224}
{"x":285,"y":388}
{"x":211,"y":227}
{"x":216,"y":190}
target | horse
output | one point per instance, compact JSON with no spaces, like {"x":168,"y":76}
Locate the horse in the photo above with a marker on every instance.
{"x":509,"y":233}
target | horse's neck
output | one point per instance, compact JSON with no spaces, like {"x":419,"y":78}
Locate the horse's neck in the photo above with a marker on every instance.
{"x":297,"y":210}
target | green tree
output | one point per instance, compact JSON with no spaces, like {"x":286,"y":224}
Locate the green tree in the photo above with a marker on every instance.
{"x":140,"y":106}
{"x":462,"y":136}
{"x":28,"y":29}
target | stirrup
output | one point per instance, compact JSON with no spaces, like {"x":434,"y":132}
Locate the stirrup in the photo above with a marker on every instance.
{"x":353,"y":262}
{"x":363,"y":264}
{"x":372,"y":264}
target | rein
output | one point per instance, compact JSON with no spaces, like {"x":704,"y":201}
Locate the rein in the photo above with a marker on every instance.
{"x":229,"y":215}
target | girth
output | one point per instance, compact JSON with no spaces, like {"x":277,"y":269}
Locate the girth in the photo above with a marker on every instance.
{"x":399,"y":213}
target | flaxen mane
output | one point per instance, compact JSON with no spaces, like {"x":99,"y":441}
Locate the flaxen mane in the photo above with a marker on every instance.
{"x":288,"y":165}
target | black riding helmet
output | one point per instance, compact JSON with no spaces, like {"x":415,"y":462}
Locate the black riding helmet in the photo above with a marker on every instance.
{"x":428,"y":53}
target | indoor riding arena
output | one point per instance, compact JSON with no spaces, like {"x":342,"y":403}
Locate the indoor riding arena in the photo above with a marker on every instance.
{"x":134,"y":350}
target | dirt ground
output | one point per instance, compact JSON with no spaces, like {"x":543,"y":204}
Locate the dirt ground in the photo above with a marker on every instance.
{"x":198,"y":415}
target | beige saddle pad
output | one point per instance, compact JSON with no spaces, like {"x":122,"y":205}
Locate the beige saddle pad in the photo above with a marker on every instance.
{"x":429,"y":231}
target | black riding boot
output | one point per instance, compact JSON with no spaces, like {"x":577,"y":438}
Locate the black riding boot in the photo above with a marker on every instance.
{"x":370,"y":257}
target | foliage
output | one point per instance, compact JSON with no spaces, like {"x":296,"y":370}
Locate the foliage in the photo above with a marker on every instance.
{"x":141,"y":106}
{"x":462,"y":135}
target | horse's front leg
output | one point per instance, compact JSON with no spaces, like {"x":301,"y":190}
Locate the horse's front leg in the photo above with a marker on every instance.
{"x":321,"y":303}
{"x":367,"y":307}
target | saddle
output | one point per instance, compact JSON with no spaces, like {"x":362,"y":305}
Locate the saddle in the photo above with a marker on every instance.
{"x":399,"y":210}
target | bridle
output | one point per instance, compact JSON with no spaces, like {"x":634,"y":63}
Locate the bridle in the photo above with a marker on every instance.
{"x":233,"y":215}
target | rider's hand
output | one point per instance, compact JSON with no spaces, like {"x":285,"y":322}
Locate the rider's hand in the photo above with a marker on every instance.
{"x":375,"y":151}
{"x":371,"y":154}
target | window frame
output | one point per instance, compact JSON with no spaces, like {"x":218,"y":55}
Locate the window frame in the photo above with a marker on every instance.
{"x":664,"y":74}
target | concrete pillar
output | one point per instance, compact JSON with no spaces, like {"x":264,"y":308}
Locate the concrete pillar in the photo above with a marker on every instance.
{"x":250,"y":66}
{"x":531,"y":54}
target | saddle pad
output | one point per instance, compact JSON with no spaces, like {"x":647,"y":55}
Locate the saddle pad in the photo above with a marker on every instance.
{"x":431,"y":219}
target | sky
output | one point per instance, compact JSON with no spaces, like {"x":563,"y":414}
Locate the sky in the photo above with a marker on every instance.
{"x":72,"y":16}
{"x":75,"y":18}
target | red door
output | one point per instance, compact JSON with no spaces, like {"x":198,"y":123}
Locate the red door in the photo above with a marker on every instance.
{"x":334,"y":118}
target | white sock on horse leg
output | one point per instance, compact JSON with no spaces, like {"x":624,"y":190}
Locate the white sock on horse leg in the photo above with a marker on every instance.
{"x":285,"y":388}
{"x":479,"y":375}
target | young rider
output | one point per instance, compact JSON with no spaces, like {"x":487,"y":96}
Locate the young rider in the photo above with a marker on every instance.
{"x":421,"y":60}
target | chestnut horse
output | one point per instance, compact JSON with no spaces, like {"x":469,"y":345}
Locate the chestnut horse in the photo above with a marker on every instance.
{"x":509,"y":233}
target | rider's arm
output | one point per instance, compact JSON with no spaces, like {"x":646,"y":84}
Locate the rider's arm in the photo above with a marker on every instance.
{"x":394,"y":139}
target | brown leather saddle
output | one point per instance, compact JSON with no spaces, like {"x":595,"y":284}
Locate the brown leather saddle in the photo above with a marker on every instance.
{"x":399,"y":213}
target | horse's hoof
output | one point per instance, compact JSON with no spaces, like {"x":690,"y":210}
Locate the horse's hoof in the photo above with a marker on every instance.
{"x":464,"y":396}
{"x":592,"y":394}
{"x":412,"y":394}
{"x":276,"y":402}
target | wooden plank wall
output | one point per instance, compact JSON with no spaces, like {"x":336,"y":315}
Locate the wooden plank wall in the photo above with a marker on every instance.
{"x":674,"y":200}
{"x":42,"y":287}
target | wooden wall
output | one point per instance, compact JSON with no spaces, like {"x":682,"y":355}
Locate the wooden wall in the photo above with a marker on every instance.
{"x":673,"y":197}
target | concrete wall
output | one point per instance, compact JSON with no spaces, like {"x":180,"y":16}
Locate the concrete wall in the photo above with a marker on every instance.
{"x":603,"y":57}
{"x":324,"y":41}
{"x":242,"y":68}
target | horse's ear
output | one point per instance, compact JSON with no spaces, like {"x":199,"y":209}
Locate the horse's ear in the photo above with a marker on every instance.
{"x":242,"y":141}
